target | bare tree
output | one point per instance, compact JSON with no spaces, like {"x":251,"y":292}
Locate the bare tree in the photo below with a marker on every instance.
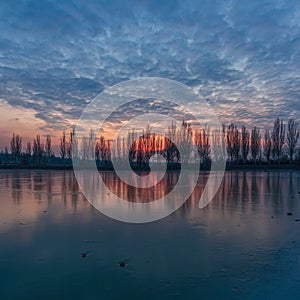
{"x":48,"y":147}
{"x":13,"y":146}
{"x":108,"y":151}
{"x":267,"y":146}
{"x":255,"y":143}
{"x":278,"y":138}
{"x":202,"y":143}
{"x":85,"y":149}
{"x":16,"y":146}
{"x":75,"y":150}
{"x":62,"y":146}
{"x":148,"y":145}
{"x":130,"y":145}
{"x":124,"y":149}
{"x":152,"y":142}
{"x":100,"y":149}
{"x":237,"y":143}
{"x":97,"y":151}
{"x":292,"y":138}
{"x":70,"y":144}
{"x":245,"y":143}
{"x":92,"y":144}
{"x":184,"y":141}
{"x":37,"y":149}
{"x":233,"y":142}
{"x":171,"y":151}
{"x":118,"y":149}
{"x":218,"y":142}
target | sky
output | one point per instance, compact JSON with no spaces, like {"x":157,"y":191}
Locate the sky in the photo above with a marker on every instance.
{"x":243,"y":57}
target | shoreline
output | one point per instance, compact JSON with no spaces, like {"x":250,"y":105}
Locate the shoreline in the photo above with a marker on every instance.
{"x":169,"y":169}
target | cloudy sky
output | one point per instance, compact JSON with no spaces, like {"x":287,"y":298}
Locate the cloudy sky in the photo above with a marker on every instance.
{"x":56,"y":56}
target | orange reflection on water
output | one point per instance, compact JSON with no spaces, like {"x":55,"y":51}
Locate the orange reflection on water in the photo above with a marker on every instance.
{"x":26,"y":195}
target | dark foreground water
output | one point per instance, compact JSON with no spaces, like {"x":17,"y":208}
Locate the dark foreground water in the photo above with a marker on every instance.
{"x":243,"y":245}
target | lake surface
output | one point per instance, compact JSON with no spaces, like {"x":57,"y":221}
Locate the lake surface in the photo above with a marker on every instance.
{"x":243,"y":245}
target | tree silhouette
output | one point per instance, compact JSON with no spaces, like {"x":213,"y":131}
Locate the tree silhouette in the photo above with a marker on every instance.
{"x":62,"y":146}
{"x":37,"y":149}
{"x":175,"y":145}
{"x":255,"y":143}
{"x":184,"y":142}
{"x":267,"y":146}
{"x":245,"y":143}
{"x":232,"y":142}
{"x":202,"y":143}
{"x":292,"y":138}
{"x":278,"y":137}
{"x":16,"y":146}
{"x":70,"y":143}
{"x":170,"y":152}
{"x":48,"y":147}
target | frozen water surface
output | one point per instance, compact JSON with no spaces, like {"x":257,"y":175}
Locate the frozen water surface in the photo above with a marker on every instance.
{"x":243,"y":245}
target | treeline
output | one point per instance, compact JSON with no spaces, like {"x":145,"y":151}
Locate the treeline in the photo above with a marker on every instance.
{"x":38,"y":151}
{"x":276,"y":146}
{"x":242,"y":145}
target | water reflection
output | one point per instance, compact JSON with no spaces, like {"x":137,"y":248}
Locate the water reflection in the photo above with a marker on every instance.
{"x":243,"y":235}
{"x":247,"y":192}
{"x":140,"y":195}
{"x":252,"y":191}
{"x":26,"y":194}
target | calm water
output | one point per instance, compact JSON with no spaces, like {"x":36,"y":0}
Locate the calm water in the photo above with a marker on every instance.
{"x":243,"y":245}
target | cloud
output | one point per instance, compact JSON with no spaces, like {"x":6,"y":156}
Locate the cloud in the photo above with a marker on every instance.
{"x":242,"y":56}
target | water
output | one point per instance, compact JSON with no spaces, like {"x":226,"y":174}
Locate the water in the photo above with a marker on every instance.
{"x":243,"y":245}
